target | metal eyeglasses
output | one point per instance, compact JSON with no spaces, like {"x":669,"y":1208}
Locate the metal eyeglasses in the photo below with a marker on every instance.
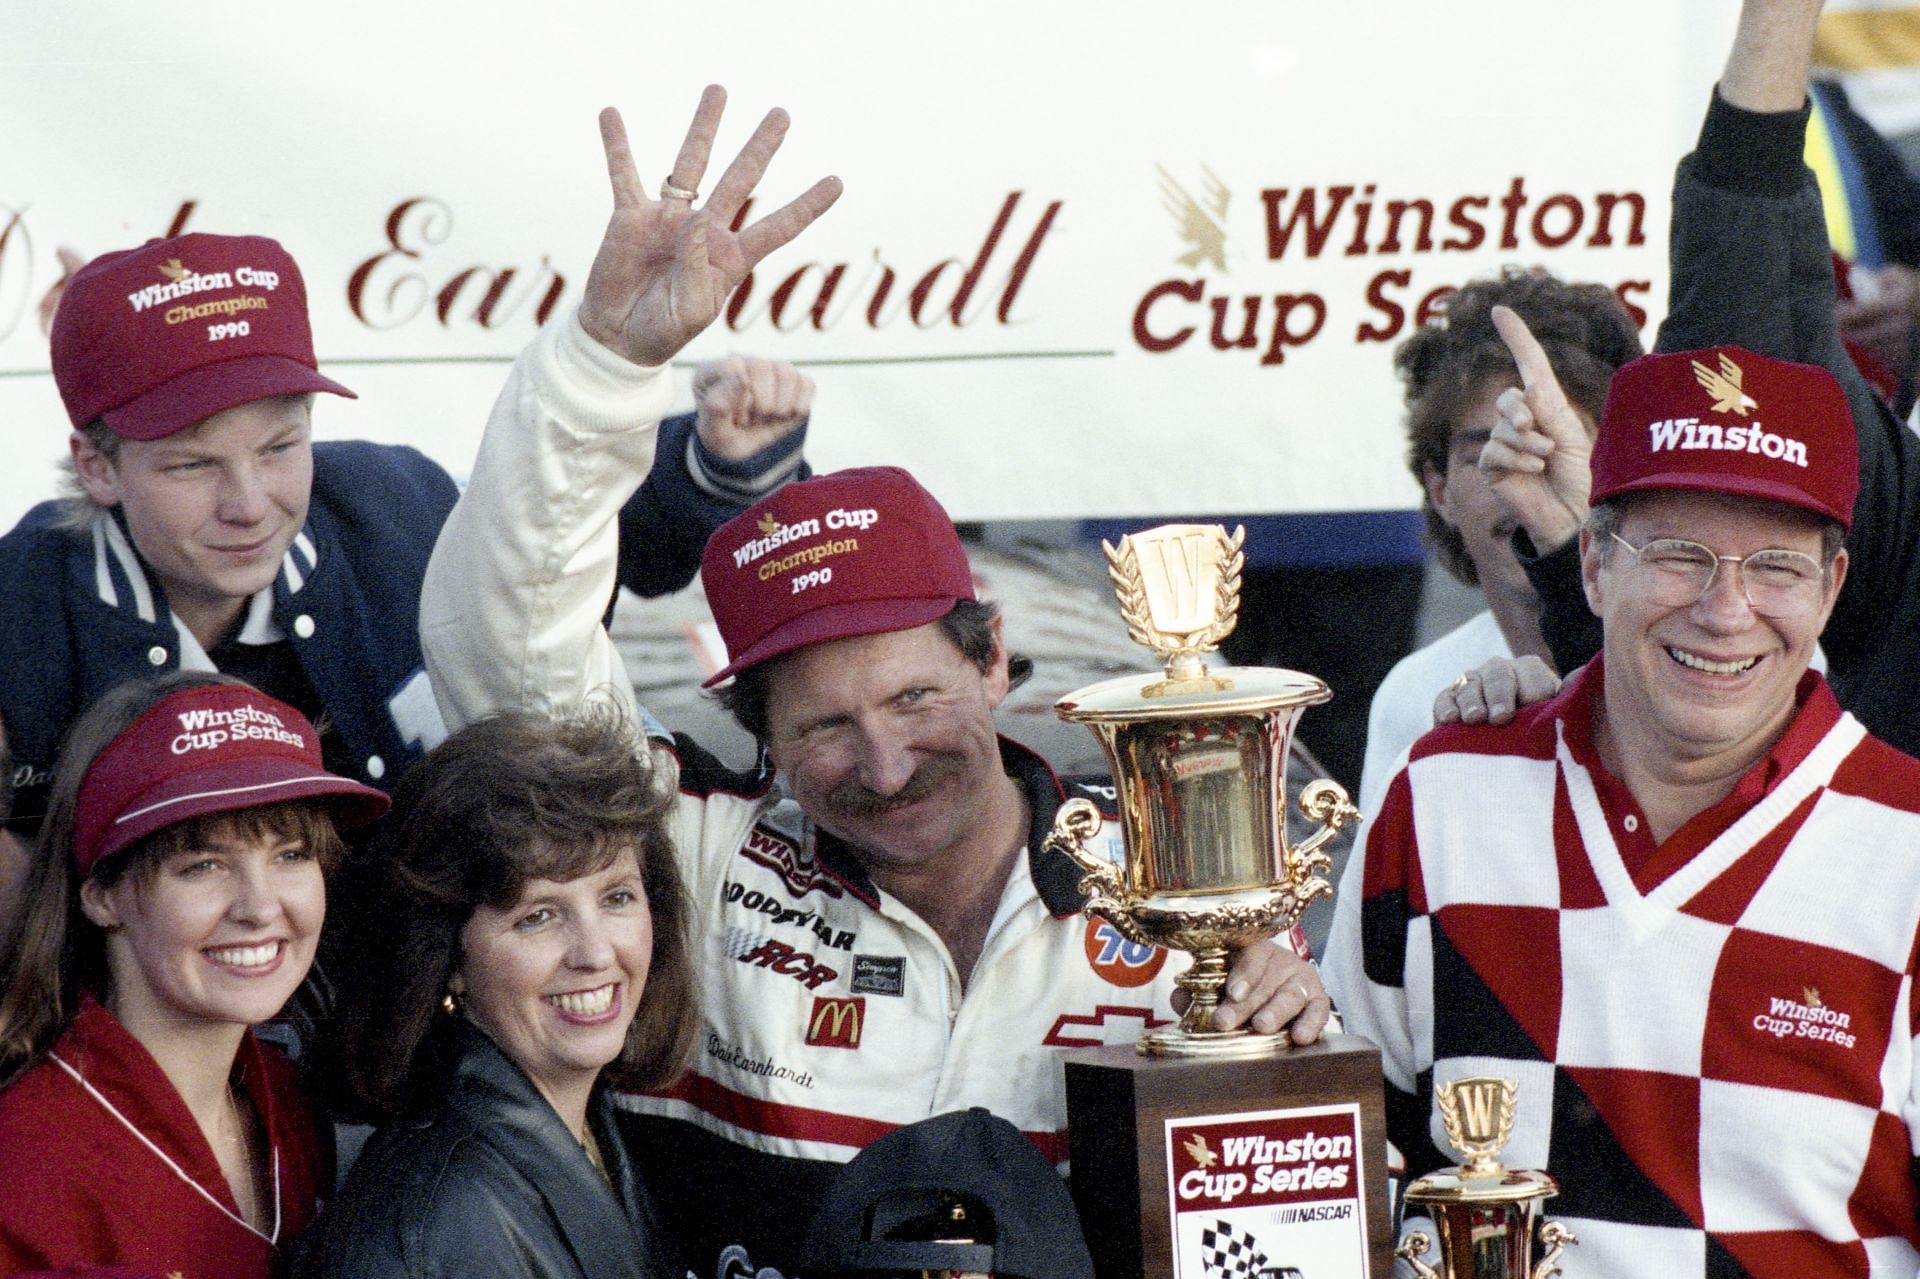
{"x":1776,"y":583}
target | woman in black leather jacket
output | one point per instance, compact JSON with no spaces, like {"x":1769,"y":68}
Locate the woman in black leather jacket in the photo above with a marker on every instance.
{"x":514,"y":942}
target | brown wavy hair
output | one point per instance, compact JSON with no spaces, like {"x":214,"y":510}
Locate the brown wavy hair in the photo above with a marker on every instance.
{"x":504,"y":801}
{"x":969,"y":624}
{"x":1584,"y":329}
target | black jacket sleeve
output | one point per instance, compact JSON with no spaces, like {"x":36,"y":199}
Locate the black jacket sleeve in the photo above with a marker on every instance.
{"x":689,"y":493}
{"x":1571,"y":630}
{"x":1752,"y":266}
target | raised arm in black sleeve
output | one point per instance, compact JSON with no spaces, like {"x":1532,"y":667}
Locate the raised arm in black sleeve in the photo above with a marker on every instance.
{"x":690,"y":492}
{"x":1752,"y":266}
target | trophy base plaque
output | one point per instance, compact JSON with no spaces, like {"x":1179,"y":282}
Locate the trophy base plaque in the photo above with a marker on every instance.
{"x":1182,"y":1162}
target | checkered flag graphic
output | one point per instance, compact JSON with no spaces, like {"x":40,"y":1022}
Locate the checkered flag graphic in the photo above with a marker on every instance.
{"x":1230,"y":1254}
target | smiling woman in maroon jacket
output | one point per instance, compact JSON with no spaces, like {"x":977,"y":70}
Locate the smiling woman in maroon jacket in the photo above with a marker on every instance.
{"x":174,"y":900}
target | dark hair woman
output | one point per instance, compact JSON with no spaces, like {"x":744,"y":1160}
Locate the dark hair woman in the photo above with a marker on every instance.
{"x":174,"y":901}
{"x":517,"y":940}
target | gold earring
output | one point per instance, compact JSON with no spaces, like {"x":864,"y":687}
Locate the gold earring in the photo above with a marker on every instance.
{"x":450,"y":1004}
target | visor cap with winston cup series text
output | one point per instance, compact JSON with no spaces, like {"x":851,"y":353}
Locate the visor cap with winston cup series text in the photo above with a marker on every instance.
{"x":857,"y":552}
{"x":156,"y":339}
{"x":216,"y":748}
{"x":962,"y":1192}
{"x":1725,"y":420}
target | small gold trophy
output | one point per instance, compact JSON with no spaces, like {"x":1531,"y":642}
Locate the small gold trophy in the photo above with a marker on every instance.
{"x":1484,"y":1212}
{"x":1199,"y":760}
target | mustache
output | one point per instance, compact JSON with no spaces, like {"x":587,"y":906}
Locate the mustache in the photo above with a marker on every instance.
{"x":852,"y":798}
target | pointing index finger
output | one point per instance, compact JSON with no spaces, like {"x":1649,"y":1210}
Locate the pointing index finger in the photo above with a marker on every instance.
{"x":1536,"y":371}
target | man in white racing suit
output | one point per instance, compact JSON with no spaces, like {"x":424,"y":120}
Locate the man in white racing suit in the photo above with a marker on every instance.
{"x":882,"y":937}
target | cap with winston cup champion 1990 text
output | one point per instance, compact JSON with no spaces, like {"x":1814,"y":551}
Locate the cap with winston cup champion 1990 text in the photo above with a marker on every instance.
{"x":857,"y":552}
{"x":156,"y":339}
{"x":1725,"y":420}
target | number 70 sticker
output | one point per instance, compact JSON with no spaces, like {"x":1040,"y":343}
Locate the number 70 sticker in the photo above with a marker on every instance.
{"x":1121,"y":962}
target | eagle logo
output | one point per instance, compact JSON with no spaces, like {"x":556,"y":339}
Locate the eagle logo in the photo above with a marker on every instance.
{"x":769,"y":526}
{"x":1202,"y":225}
{"x":172,"y":269}
{"x":1810,"y":997}
{"x":1196,"y":1146}
{"x":1724,"y":386}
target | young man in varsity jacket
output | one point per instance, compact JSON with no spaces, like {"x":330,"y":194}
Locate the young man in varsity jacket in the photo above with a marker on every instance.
{"x":1679,"y":903}
{"x":206,"y":531}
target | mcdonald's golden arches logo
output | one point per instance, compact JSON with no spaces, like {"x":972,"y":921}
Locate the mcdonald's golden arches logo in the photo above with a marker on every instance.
{"x":837,"y":1021}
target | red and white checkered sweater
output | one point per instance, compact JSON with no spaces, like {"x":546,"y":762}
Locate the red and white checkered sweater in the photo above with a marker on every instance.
{"x":1714,"y":1037}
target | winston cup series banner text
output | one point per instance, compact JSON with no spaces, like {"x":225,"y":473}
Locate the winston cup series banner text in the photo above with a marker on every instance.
{"x":1139,"y":261}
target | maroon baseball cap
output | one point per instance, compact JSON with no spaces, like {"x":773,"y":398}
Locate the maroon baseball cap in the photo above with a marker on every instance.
{"x":856,"y":552}
{"x":1725,"y":420}
{"x":211,"y":749}
{"x":156,"y":339}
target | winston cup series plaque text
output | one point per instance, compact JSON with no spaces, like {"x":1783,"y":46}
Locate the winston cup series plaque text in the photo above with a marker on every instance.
{"x":1268,"y":1192}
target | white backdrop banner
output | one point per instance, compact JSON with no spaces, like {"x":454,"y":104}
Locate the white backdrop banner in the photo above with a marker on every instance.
{"x":1117,"y":259}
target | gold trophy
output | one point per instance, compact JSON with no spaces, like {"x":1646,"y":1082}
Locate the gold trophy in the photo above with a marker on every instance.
{"x":1199,"y":760}
{"x":1484,"y":1213}
{"x":1194,"y":1134}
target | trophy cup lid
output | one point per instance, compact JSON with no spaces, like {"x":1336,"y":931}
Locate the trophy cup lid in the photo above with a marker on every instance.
{"x":1179,"y":590}
{"x":1506,"y":1185}
{"x":1223,"y":690}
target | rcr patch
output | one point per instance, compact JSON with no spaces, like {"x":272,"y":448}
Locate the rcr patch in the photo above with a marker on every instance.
{"x":788,"y":962}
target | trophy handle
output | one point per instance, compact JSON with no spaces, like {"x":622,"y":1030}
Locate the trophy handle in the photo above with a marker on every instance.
{"x":1324,"y":802}
{"x":1078,"y":821}
{"x":1415,"y":1245}
{"x":1555,"y":1237}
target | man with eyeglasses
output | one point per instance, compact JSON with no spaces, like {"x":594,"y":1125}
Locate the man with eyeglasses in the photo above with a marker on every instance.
{"x":1679,"y":902}
{"x":1751,"y":265}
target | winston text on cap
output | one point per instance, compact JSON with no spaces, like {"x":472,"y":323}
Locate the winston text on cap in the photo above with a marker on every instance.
{"x":1692,"y":433}
{"x":154,"y":294}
